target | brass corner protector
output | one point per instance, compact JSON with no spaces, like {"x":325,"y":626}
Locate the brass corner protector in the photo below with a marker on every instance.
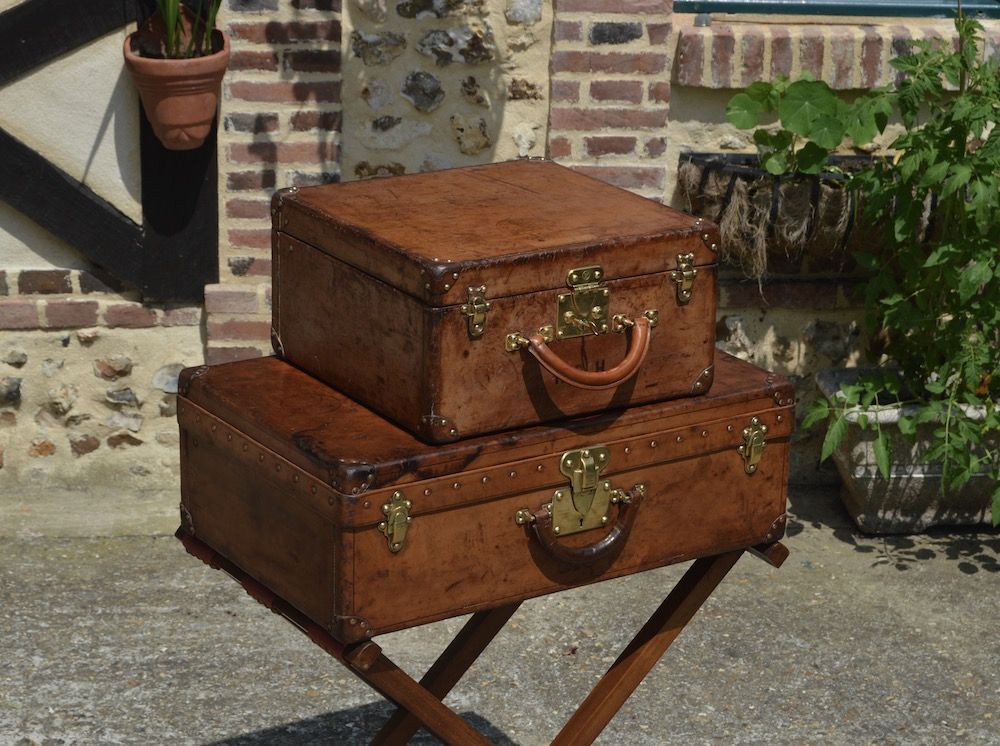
{"x":704,"y":380}
{"x":185,"y":379}
{"x":350,"y":628}
{"x":437,"y":428}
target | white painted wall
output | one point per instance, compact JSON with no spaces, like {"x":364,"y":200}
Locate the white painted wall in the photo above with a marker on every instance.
{"x":81,"y":112}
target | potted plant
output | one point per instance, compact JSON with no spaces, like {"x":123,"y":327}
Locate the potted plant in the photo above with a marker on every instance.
{"x":917,"y":439}
{"x":177,"y":59}
{"x":788,"y":202}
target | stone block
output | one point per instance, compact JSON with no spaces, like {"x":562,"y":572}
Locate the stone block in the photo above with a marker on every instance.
{"x":378,"y":48}
{"x":113,"y":367}
{"x":525,"y":12}
{"x":470,"y":133}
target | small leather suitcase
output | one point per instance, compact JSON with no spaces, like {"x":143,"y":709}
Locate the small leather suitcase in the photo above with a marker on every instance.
{"x":366,"y":530}
{"x":486,"y":298}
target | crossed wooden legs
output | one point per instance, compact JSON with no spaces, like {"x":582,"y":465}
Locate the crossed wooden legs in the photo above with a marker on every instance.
{"x":420,"y":703}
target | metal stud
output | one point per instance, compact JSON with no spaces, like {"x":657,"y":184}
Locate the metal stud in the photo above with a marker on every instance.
{"x":484,"y":480}
{"x":653,"y":444}
{"x":456,"y":485}
{"x":512,"y":474}
{"x":680,"y":439}
{"x":427,"y":492}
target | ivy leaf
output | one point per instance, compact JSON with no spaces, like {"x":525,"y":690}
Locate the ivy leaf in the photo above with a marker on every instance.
{"x":957,"y":178}
{"x":935,"y":174}
{"x":827,"y":132}
{"x":973,"y":277}
{"x":743,"y":112}
{"x":804,"y":102}
{"x":882,"y":454}
{"x":811,"y":159}
{"x":834,"y":434}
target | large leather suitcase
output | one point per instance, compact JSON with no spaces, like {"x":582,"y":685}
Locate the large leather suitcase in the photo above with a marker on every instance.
{"x":486,"y":298}
{"x":366,"y":530}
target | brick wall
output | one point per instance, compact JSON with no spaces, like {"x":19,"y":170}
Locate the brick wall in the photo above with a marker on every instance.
{"x":280,"y":125}
{"x":610,"y":89}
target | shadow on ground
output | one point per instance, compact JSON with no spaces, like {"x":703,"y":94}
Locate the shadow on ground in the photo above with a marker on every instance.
{"x":354,"y":727}
{"x":973,"y":550}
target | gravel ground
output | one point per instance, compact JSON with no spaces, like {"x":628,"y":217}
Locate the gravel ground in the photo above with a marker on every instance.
{"x":855,"y":640}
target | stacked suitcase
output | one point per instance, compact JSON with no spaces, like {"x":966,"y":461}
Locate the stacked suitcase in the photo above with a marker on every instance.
{"x":490,"y":384}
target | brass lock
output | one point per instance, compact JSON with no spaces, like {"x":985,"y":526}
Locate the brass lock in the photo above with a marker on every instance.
{"x":753,"y":445}
{"x":583,"y":310}
{"x":475,"y":308}
{"x":684,"y":276}
{"x":397,"y":520}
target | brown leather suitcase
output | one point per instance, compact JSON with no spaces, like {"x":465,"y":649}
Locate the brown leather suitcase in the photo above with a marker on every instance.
{"x":486,"y":298}
{"x":366,"y":530}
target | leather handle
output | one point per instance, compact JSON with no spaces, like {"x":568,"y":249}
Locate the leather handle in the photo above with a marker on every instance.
{"x":638,"y":348}
{"x":610,"y":545}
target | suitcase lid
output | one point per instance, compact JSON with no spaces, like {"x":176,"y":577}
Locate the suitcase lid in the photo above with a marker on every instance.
{"x":515,"y":227}
{"x":354,"y":451}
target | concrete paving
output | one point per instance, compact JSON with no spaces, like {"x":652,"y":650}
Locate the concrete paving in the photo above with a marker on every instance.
{"x":855,"y":640}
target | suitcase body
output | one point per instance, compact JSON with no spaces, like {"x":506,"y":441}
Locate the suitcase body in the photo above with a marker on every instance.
{"x":367,"y":530}
{"x":482,"y":299}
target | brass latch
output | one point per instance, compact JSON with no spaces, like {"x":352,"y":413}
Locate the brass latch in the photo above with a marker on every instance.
{"x":397,"y":519}
{"x":684,"y":276}
{"x":583,"y":310}
{"x":584,"y":505}
{"x":475,"y":308}
{"x":753,"y":445}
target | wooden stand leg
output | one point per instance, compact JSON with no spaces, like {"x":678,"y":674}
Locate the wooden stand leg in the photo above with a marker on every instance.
{"x":450,"y":666}
{"x":646,"y":648}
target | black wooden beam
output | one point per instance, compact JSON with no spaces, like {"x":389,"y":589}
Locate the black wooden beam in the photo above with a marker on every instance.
{"x":69,"y":210}
{"x":180,"y":218}
{"x":37,"y":31}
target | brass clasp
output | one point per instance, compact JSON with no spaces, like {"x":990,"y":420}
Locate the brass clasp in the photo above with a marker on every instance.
{"x":684,"y":276}
{"x":475,"y":308}
{"x":585,"y":504}
{"x":753,"y":445}
{"x":583,"y":310}
{"x":397,"y":519}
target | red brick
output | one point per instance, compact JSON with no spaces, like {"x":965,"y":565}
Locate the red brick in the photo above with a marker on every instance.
{"x":239,"y":329}
{"x":616,"y":90}
{"x":753,"y":57}
{"x":286,"y":91}
{"x":655,"y":147}
{"x":313,"y":61}
{"x":311,"y":120}
{"x":900,"y":48}
{"x":254,"y":238}
{"x":181,"y":316}
{"x":659,"y":92}
{"x":609,"y":145}
{"x":259,"y":268}
{"x":267,"y":296}
{"x":44,"y":282}
{"x":3,"y":282}
{"x":608,"y":62}
{"x":568,"y":30}
{"x":871,"y":58}
{"x":627,"y":177}
{"x":691,"y":58}
{"x":842,"y":55}
{"x":566,"y":90}
{"x":245,"y":60}
{"x":811,"y":51}
{"x":560,"y":147}
{"x":594,"y":119}
{"x":255,"y":123}
{"x":274,"y":32}
{"x":16,"y":314}
{"x":231,"y":300}
{"x":312,"y":178}
{"x":130,"y":315}
{"x":781,"y":52}
{"x":96,"y":281}
{"x":216,"y":355}
{"x":250,"y":181}
{"x":283,"y":152}
{"x":248,"y":208}
{"x":333,"y":5}
{"x":67,"y":314}
{"x":250,"y":266}
{"x":659,"y":33}
{"x":723,"y":48}
{"x":632,"y":7}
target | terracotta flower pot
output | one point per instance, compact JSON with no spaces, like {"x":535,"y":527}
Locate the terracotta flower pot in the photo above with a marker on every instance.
{"x":179,"y":96}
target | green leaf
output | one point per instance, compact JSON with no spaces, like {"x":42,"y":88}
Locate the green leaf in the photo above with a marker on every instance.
{"x":996,"y":506}
{"x":882,"y":454}
{"x":827,"y":132}
{"x":973,"y":277}
{"x":811,"y":159}
{"x":761,"y":92}
{"x":743,"y":111}
{"x":804,"y":102}
{"x":834,"y":434}
{"x":907,"y":426}
{"x":820,"y":410}
{"x":958,"y":177}
{"x":935,"y":387}
{"x":935,"y":174}
{"x":776,"y":163}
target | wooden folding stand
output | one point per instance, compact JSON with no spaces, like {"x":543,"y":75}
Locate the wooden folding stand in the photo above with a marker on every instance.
{"x":420,"y":704}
